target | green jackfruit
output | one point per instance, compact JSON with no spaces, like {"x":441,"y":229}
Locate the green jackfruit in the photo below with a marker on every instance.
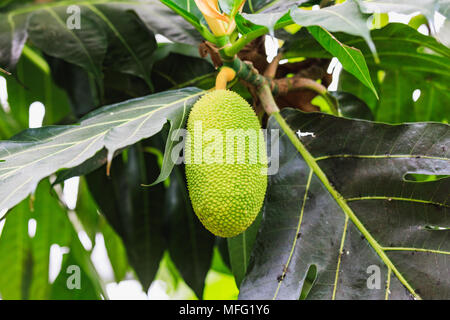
{"x":226,"y":163}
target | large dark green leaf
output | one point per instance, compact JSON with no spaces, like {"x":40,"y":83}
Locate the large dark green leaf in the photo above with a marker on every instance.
{"x":78,"y":84}
{"x":179,"y":66}
{"x":135,"y":212}
{"x":100,"y":29}
{"x":37,"y":153}
{"x":352,"y":107}
{"x":190,"y":244}
{"x":131,"y":44}
{"x":396,"y":103}
{"x":240,"y":247}
{"x":85,"y":47}
{"x":357,"y":213}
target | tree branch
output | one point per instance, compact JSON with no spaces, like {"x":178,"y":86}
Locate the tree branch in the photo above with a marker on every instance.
{"x":266,"y":87}
{"x":5,"y":72}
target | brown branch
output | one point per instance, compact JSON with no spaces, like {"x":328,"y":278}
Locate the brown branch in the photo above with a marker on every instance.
{"x":207,"y":48}
{"x":272,"y":68}
{"x":286,"y":85}
{"x":266,"y":87}
{"x":5,"y":72}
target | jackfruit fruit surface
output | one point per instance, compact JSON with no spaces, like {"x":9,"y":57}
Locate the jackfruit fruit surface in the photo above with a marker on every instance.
{"x":226,"y":162}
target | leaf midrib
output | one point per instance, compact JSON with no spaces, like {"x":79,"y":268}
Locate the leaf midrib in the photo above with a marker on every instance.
{"x":300,"y":220}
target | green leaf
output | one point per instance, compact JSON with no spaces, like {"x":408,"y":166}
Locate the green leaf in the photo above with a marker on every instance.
{"x":15,"y":252}
{"x":218,"y":263}
{"x":116,"y":252}
{"x":240,"y":247}
{"x":180,"y":65}
{"x":32,"y":82}
{"x":189,"y":11}
{"x":176,"y":66}
{"x":418,"y":61}
{"x":334,"y":19}
{"x":257,"y":6}
{"x":190,"y":244}
{"x":37,"y":153}
{"x":100,"y":27}
{"x":60,"y":289}
{"x":11,"y":44}
{"x":188,"y":7}
{"x":344,"y":17}
{"x":396,"y":104}
{"x":351,"y":58}
{"x":87,"y":211}
{"x":444,"y":8}
{"x":349,"y":84}
{"x":344,"y":207}
{"x":135,"y":212}
{"x":230,"y":7}
{"x":222,"y":247}
{"x":352,"y":107}
{"x":432,"y":104}
{"x":25,"y":260}
{"x":8,"y":124}
{"x":426,"y":7}
{"x":79,"y":85}
{"x":131,"y":43}
{"x":52,"y":227}
{"x":85,"y":47}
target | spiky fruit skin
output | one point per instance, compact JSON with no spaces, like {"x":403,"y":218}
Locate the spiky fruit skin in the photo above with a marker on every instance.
{"x":226,"y":196}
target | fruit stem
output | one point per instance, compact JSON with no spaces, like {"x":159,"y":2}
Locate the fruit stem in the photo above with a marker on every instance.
{"x":267,"y":101}
{"x":225,"y":75}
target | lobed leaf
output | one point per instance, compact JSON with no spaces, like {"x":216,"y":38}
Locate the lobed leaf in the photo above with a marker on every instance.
{"x":373,"y":219}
